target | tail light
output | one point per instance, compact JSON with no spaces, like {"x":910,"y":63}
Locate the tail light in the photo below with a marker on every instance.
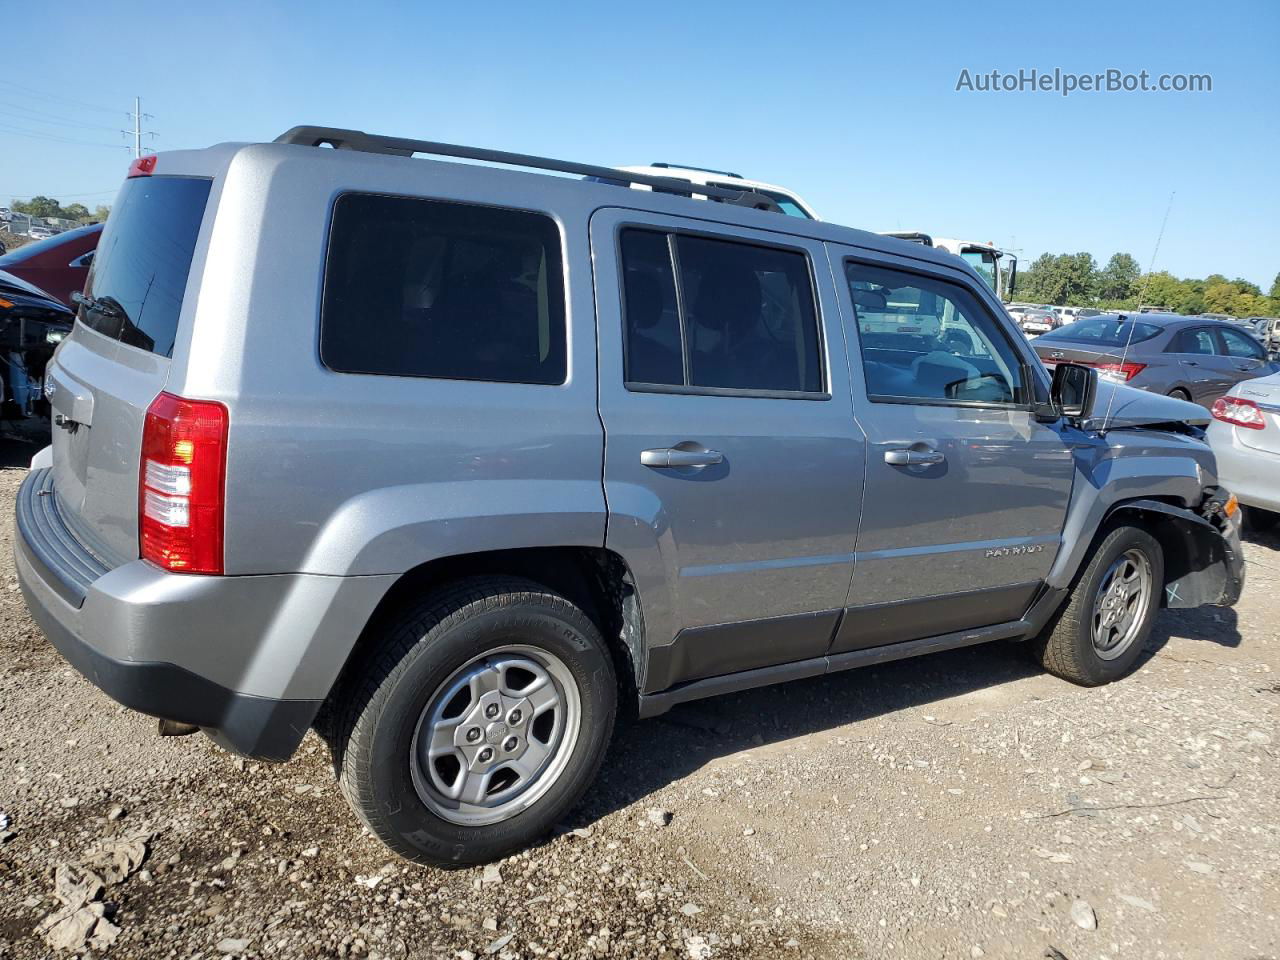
{"x":182,"y":484}
{"x":143,"y":166}
{"x":1239,"y":412}
{"x":1121,"y":372}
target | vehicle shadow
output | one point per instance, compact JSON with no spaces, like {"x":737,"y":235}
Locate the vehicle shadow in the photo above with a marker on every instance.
{"x":651,"y":754}
{"x":19,"y":442}
{"x":648,"y":755}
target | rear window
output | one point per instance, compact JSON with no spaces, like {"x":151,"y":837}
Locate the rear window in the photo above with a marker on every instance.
{"x":1105,"y":331}
{"x":139,"y":273}
{"x":429,"y":288}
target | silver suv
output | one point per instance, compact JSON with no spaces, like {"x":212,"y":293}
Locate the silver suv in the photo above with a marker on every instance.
{"x":454,"y":462}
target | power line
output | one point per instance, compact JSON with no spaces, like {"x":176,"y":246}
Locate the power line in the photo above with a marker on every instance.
{"x":59,"y":193}
{"x":13,"y":131}
{"x":55,"y":121}
{"x":60,"y":99}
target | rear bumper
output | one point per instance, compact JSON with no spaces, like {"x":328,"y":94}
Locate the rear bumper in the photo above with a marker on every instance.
{"x":1247,"y":472}
{"x":249,"y":659}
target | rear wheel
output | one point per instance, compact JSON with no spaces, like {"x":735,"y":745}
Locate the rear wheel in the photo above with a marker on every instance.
{"x":483,"y":719}
{"x":1179,"y":394}
{"x":1100,"y":632}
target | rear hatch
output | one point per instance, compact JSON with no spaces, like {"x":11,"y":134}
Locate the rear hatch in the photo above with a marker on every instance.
{"x":1265,"y":392}
{"x":116,"y":359}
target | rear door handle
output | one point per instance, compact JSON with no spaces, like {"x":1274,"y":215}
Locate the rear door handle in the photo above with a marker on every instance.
{"x":680,"y":457}
{"x":913,"y":458}
{"x":1191,"y":363}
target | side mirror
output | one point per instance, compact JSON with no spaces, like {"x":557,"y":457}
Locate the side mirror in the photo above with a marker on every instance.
{"x":1073,"y":391}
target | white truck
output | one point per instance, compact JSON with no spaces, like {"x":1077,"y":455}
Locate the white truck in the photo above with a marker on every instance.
{"x":998,"y":267}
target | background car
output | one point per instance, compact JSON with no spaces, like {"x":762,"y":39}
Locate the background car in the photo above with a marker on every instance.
{"x":32,"y":324}
{"x":1037,"y":320}
{"x":1245,"y":436}
{"x":57,"y":265}
{"x":1186,"y":357}
{"x":1067,"y":315}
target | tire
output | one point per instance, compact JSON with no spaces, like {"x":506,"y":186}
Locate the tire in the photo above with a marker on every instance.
{"x":1259,"y":521}
{"x":1067,"y":648}
{"x":489,"y":643}
{"x":1179,"y":394}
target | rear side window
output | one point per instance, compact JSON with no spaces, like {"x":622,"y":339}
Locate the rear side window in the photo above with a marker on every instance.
{"x":429,"y":288}
{"x":713,"y":314}
{"x":1199,"y":340}
{"x":139,"y":273}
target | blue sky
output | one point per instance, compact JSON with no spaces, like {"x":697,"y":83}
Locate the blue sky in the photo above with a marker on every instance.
{"x":852,"y":105}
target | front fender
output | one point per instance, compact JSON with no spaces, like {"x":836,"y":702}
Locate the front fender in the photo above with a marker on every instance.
{"x":1121,"y":467}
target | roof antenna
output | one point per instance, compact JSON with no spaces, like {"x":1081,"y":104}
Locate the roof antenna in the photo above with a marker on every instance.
{"x":1142,"y":293}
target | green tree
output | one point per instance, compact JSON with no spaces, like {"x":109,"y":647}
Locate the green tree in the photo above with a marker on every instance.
{"x":100,"y":213}
{"x":38,"y":207}
{"x":1118,"y":280}
{"x":76,"y":211}
{"x":1067,"y":279}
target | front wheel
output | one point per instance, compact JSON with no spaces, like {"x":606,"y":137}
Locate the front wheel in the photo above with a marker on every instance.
{"x":1100,"y":632}
{"x":484,"y":717}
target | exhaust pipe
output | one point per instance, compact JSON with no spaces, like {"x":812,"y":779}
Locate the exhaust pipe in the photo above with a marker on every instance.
{"x":172,"y":728}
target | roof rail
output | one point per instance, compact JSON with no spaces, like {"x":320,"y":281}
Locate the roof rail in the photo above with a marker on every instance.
{"x":911,"y":236}
{"x":341,"y":139}
{"x":689,"y":166}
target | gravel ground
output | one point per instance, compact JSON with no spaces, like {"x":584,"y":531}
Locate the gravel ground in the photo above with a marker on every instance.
{"x":961,"y":805}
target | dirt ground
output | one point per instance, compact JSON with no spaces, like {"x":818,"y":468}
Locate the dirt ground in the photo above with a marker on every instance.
{"x":957,"y":806}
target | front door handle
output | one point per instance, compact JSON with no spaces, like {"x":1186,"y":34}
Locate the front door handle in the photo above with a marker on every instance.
{"x":680,"y":457}
{"x":913,"y":458}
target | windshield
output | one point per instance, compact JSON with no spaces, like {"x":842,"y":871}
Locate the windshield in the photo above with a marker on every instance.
{"x":983,"y":261}
{"x":1105,"y":331}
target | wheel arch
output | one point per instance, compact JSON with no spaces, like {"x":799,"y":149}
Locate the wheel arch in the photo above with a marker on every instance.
{"x":595,"y":579}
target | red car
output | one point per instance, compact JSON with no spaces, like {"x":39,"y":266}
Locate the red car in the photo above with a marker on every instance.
{"x":57,"y":265}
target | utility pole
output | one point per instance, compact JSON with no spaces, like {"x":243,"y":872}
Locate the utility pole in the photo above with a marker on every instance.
{"x":137,"y":132}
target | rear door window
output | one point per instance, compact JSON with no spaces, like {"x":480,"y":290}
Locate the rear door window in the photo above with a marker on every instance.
{"x":1197,"y":341}
{"x":715,"y":315}
{"x":139,"y":272}
{"x":429,"y":288}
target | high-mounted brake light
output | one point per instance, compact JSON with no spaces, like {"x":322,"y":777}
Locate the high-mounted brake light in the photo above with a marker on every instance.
{"x":1121,"y":372}
{"x":143,"y":166}
{"x":1239,"y":412}
{"x":181,"y":484}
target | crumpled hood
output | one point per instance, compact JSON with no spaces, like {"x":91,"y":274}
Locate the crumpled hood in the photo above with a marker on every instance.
{"x":1117,"y":405}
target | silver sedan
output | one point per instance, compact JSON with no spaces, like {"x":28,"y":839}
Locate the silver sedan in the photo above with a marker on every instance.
{"x":1245,"y":436}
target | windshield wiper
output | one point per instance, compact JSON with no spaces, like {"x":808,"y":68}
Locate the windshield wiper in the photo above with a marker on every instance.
{"x":106,"y":306}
